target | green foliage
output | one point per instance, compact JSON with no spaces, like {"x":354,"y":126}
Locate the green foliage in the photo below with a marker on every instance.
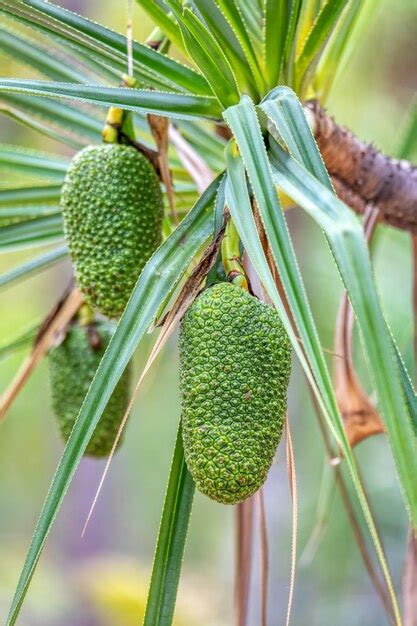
{"x":29,"y":268}
{"x":235,"y":364}
{"x":315,"y":43}
{"x":171,"y":541}
{"x":32,"y":164}
{"x":31,"y":232}
{"x":103,"y":46}
{"x":242,"y":51}
{"x":246,"y":129}
{"x":347,"y":242}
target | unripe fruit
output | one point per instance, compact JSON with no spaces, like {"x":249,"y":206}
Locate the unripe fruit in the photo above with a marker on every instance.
{"x":72,"y":366}
{"x":235,"y":362}
{"x":112,"y":208}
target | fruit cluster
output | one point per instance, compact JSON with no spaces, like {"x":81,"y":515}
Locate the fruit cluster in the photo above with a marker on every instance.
{"x":235,"y":356}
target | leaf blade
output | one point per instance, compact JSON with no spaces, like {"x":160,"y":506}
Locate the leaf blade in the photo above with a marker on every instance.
{"x":171,"y":541}
{"x":275,"y":30}
{"x":207,"y":54}
{"x":29,"y":268}
{"x":314,"y":45}
{"x":30,"y":232}
{"x":33,"y":163}
{"x":152,"y":68}
{"x":161,"y":103}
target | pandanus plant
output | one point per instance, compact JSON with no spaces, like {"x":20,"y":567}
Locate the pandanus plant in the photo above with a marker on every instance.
{"x":238,"y":134}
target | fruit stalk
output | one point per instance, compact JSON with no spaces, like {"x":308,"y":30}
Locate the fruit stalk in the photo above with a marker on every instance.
{"x":230,"y":254}
{"x":119,"y":120}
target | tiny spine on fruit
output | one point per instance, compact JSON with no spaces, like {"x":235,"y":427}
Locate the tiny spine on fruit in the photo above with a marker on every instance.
{"x":118,"y":120}
{"x":231,"y":257}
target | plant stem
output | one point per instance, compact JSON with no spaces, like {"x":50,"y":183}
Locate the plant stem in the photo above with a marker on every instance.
{"x":231,"y":257}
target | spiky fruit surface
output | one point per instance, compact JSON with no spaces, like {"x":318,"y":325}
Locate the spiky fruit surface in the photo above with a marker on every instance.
{"x":235,"y":362}
{"x":112,"y":207}
{"x":72,"y":366}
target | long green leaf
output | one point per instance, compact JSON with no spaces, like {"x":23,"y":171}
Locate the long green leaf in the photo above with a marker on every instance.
{"x":30,"y":53}
{"x":30,"y":233}
{"x":168,"y":104}
{"x":408,"y":146}
{"x":207,"y":53}
{"x":88,"y":61}
{"x":409,"y":392}
{"x":252,"y":16}
{"x":171,"y":541}
{"x":22,"y":213}
{"x":34,"y":266}
{"x":244,"y":123}
{"x":314,"y":45}
{"x":32,"y":196}
{"x":157,"y":280}
{"x":275,"y":32}
{"x":29,"y":201}
{"x":346,"y":240}
{"x":67,"y":123}
{"x":33,"y":163}
{"x":279,"y":104}
{"x":342,"y":44}
{"x":232,"y":11}
{"x":223,"y":32}
{"x":64,"y":122}
{"x":290,"y":47}
{"x":164,"y":21}
{"x":353,"y":262}
{"x":23,"y":339}
{"x":151,"y":67}
{"x":41,"y":125}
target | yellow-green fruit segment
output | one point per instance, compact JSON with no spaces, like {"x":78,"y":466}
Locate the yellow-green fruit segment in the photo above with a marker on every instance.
{"x":72,"y":366}
{"x":112,"y":208}
{"x":235,"y":362}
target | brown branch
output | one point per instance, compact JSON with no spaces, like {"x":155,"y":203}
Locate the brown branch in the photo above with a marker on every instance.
{"x":362,"y":175}
{"x":264,"y":555}
{"x":244,"y":553}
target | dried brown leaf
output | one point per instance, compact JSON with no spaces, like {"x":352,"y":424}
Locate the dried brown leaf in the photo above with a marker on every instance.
{"x":360,"y":417}
{"x":159,"y":127}
{"x":52,"y":330}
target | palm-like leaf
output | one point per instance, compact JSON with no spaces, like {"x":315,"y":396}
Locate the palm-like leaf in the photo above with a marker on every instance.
{"x":238,"y":48}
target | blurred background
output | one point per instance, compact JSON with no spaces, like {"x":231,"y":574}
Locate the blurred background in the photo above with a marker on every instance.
{"x":101,"y":579}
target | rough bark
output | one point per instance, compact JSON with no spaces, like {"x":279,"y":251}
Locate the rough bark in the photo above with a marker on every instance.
{"x":362,"y":175}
